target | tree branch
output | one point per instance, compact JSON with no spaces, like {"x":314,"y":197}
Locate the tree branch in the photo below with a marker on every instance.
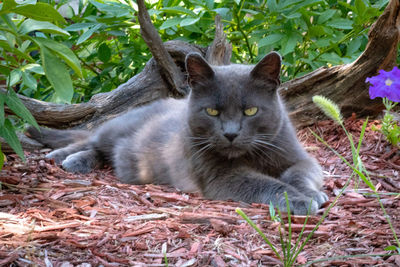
{"x":220,"y":51}
{"x":169,"y":71}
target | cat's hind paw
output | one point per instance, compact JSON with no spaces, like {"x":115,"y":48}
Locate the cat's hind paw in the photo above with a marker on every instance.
{"x":80,"y":162}
{"x":58,"y":155}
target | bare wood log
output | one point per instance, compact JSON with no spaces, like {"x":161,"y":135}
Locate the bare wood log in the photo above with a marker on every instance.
{"x":144,"y":87}
{"x":26,"y":142}
{"x":168,"y":69}
{"x":220,"y":51}
{"x":345,"y":84}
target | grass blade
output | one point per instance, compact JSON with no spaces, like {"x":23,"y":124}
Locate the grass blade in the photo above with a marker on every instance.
{"x":252,"y":224}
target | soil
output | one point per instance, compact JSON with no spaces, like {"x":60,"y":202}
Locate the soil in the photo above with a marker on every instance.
{"x":49,"y":217}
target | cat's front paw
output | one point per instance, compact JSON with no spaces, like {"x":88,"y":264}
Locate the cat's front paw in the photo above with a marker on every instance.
{"x":299,"y":205}
{"x":319,"y":197}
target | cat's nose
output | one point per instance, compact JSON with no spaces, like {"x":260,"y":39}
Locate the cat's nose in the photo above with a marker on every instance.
{"x":230,"y":136}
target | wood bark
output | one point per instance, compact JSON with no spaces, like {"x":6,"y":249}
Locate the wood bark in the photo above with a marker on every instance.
{"x":344,"y":84}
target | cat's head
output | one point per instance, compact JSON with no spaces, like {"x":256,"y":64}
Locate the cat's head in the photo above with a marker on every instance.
{"x":235,"y":109}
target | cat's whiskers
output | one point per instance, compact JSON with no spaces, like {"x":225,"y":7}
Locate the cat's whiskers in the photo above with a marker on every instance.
{"x":195,"y":156}
{"x":199,"y":143}
{"x":269,"y":145}
{"x":266,"y":143}
{"x":259,"y":152}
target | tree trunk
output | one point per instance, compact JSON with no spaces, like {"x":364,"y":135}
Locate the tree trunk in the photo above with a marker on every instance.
{"x":344,"y":84}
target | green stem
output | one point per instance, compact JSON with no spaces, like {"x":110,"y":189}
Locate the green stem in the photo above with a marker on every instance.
{"x":322,"y":219}
{"x":388,"y":220}
{"x":252,"y":224}
{"x":239,"y":29}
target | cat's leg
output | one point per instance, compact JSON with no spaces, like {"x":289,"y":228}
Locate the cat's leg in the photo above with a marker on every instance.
{"x":59,"y":155}
{"x":307,"y":177}
{"x":249,"y":186}
{"x":125,"y":162}
{"x":82,"y":161}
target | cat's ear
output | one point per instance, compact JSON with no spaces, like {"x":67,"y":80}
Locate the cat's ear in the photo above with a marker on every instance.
{"x":198,"y":69}
{"x":268,"y":68}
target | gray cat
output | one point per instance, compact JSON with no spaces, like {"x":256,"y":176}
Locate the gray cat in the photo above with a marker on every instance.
{"x":230,"y":139}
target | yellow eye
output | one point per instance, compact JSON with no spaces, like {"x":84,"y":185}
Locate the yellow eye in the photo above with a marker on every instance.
{"x":250,"y":111}
{"x":212,"y":112}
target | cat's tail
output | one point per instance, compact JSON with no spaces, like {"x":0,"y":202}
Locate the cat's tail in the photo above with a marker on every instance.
{"x":56,"y":138}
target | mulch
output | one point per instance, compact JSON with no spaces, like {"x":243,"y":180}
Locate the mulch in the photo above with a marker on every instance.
{"x":49,"y":217}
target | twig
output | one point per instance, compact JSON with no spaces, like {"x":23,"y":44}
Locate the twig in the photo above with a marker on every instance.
{"x":220,"y":51}
{"x":169,"y":70}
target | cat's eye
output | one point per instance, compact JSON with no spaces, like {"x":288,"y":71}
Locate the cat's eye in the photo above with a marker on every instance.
{"x":212,"y":112}
{"x":250,"y":111}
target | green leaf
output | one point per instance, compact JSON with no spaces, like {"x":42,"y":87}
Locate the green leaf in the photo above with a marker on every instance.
{"x":390,"y":248}
{"x":292,"y":16}
{"x":112,"y":8}
{"x":332,"y":58}
{"x":64,"y":52}
{"x":270,"y":39}
{"x":380,"y":4}
{"x":24,"y":46}
{"x":224,"y":12}
{"x":88,"y":33}
{"x":340,"y":23}
{"x":360,"y":7}
{"x":8,"y":133}
{"x":178,"y":10}
{"x":30,"y":25}
{"x":104,"y":53}
{"x":58,"y":76}
{"x":194,"y":28}
{"x":15,"y":104}
{"x":170,"y":23}
{"x":326,"y":15}
{"x":5,"y":70}
{"x":353,"y":46}
{"x":15,"y":77}
{"x":7,"y":6}
{"x":79,"y":26}
{"x":15,"y":51}
{"x":209,"y":4}
{"x":316,"y":31}
{"x":40,"y":11}
{"x":29,"y":80}
{"x":189,"y":21}
{"x":36,"y":68}
{"x":272,"y":5}
{"x":289,"y":43}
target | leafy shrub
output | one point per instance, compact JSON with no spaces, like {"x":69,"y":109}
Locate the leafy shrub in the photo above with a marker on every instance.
{"x":28,"y":55}
{"x":309,"y":34}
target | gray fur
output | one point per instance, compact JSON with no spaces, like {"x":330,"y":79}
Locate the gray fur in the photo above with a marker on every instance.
{"x":229,"y":156}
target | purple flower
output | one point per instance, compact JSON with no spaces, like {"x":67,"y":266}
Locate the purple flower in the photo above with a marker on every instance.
{"x":385,"y":84}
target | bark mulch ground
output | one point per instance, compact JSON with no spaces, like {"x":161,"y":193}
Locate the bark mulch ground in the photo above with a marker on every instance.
{"x":49,"y":217}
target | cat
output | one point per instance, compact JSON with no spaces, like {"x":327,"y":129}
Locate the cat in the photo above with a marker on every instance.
{"x":231,"y":138}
